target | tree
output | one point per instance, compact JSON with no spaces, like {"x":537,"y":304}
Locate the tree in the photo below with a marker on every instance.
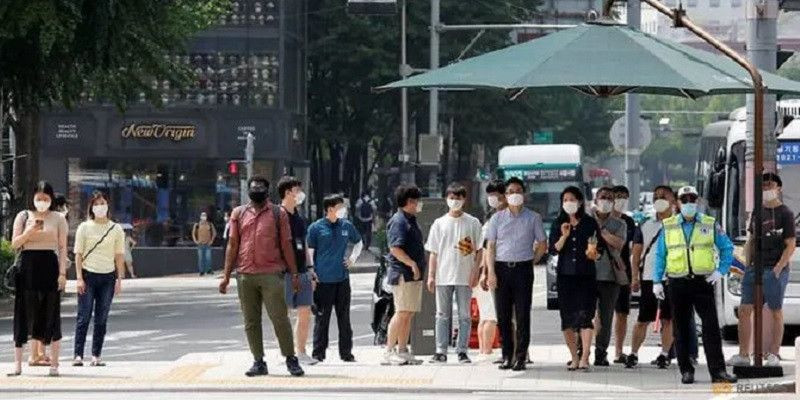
{"x":51,"y":51}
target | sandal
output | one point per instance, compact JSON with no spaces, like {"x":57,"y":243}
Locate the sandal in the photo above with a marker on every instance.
{"x":15,"y":373}
{"x":39,"y":362}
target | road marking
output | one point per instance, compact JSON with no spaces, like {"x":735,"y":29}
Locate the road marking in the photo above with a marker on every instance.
{"x":186,"y":373}
{"x":132,"y":353}
{"x":165,"y":337}
{"x":170,"y":315}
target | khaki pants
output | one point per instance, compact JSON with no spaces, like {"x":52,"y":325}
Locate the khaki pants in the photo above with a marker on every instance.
{"x":266,"y":289}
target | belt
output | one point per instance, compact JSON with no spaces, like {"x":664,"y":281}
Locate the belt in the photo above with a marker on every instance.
{"x":512,"y":264}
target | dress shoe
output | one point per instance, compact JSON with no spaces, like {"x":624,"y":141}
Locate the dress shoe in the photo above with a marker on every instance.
{"x":687,"y":378}
{"x":724,"y":377}
{"x":506,"y":364}
{"x":519,"y":365}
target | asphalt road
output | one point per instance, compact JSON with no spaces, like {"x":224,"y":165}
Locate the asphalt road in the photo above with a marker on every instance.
{"x":162,"y":319}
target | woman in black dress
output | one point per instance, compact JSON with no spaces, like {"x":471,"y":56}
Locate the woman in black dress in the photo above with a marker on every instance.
{"x":573,"y":237}
{"x":41,"y":235}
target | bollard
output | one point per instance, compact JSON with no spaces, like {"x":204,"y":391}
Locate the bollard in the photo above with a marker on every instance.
{"x":797,"y":365}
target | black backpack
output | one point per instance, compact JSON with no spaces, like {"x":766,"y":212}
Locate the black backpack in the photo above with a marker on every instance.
{"x":365,"y":211}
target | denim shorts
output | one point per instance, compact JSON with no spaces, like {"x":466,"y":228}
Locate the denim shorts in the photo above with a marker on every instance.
{"x":305,"y":297}
{"x":774,"y":288}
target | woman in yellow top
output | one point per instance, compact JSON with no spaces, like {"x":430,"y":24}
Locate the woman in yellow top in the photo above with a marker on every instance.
{"x":41,"y":236}
{"x":99,"y":266}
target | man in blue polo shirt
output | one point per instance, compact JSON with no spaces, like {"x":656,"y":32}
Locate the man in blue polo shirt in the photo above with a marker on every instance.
{"x":327,"y":243}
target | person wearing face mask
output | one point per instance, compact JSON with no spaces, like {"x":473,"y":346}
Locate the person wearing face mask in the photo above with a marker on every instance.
{"x":40,"y":235}
{"x":516,"y":243}
{"x":260,"y":246}
{"x":203,"y":234}
{"x":487,"y":325}
{"x":454,"y":245}
{"x":623,"y":306}
{"x":290,"y":190}
{"x":687,"y":251}
{"x":366,"y":208}
{"x":643,"y":254}
{"x":406,"y":269}
{"x":571,"y":238}
{"x":778,"y":244}
{"x":99,"y":269}
{"x":328,"y":239}
{"x":610,"y":241}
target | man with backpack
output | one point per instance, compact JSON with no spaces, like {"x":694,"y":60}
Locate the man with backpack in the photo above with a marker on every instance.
{"x":366,"y":207}
{"x":260,"y":246}
{"x":203,"y":234}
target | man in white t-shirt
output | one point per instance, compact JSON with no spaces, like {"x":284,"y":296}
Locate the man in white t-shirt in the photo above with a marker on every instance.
{"x":642,"y":255}
{"x":454,"y":243}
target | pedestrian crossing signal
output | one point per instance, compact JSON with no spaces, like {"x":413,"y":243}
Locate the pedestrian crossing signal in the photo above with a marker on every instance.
{"x":233,"y":168}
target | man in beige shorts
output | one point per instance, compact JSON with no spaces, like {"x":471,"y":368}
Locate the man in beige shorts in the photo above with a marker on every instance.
{"x":406,"y":269}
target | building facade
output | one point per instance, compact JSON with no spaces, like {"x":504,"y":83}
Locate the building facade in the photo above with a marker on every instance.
{"x":162,"y":167}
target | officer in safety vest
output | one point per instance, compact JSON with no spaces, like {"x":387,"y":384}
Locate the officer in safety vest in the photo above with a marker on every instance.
{"x":694,"y":253}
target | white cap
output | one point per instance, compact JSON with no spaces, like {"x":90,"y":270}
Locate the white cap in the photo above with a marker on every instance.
{"x":687,"y":190}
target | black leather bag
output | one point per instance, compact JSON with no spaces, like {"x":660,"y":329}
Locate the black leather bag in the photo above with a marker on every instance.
{"x":12,"y":273}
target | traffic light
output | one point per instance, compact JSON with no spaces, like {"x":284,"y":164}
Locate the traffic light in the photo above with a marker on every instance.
{"x":233,"y":168}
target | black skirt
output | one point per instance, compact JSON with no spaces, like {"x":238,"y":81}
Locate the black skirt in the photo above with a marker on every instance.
{"x":37,"y":305}
{"x":577,"y":301}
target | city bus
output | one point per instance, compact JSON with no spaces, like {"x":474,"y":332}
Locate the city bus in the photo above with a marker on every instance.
{"x":546,"y":169}
{"x":721,"y":183}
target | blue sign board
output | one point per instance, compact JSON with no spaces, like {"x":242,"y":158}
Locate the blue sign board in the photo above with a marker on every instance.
{"x":788,"y":153}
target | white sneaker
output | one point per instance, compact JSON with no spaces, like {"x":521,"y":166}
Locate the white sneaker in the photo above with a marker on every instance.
{"x":408,"y":356}
{"x":305,"y":359}
{"x":738,"y":361}
{"x":392,"y":358}
{"x":771,"y":360}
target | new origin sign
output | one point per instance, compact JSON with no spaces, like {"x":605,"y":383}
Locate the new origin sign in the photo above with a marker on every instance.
{"x":171,"y":132}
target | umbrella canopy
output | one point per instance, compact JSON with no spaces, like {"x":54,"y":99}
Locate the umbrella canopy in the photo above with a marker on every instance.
{"x":600,"y":59}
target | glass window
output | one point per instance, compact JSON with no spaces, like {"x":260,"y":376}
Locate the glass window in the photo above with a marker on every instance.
{"x":691,"y":3}
{"x":161,"y":199}
{"x":714,"y":3}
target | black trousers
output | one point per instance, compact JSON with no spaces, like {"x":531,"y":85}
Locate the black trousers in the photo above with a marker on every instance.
{"x":331,"y":297}
{"x":691,"y":295}
{"x":513,"y":299}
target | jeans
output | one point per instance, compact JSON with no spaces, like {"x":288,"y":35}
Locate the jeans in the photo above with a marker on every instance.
{"x":607,"y":293}
{"x":513,"y":297}
{"x":444,"y":316}
{"x":98,"y":296}
{"x":204,"y":258}
{"x":331,"y":297}
{"x":264,"y":290}
{"x":690,"y":295}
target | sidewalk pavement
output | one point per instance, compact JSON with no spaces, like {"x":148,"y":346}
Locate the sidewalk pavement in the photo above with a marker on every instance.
{"x":222,"y":371}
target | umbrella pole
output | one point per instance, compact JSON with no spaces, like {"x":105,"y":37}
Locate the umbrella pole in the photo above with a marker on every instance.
{"x":681,"y":20}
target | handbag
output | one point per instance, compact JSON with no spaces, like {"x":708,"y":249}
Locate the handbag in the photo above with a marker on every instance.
{"x":618,"y":266}
{"x":12,"y":273}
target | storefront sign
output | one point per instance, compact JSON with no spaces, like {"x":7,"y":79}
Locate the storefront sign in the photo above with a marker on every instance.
{"x":172,"y":132}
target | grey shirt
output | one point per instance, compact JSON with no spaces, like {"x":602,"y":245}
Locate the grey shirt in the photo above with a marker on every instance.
{"x":515,"y":235}
{"x":618,"y":228}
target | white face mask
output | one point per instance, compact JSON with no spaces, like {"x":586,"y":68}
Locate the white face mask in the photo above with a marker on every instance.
{"x":300,"y":197}
{"x":202,"y":217}
{"x":341,"y":213}
{"x":419,"y":207}
{"x":661,"y":205}
{"x":769,"y":195}
{"x":100,"y":210}
{"x":515,"y":199}
{"x":494,"y":201}
{"x":455,"y":205}
{"x":621,"y":205}
{"x":604,"y":206}
{"x":41,"y":205}
{"x":571,"y":207}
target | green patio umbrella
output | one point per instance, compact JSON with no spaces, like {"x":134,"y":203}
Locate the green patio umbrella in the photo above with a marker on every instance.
{"x":600,"y":59}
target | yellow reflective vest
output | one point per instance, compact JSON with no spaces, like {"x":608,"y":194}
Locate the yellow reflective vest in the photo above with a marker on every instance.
{"x":695,"y":257}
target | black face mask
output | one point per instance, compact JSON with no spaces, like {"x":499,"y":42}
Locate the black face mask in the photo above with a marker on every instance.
{"x":258,"y":197}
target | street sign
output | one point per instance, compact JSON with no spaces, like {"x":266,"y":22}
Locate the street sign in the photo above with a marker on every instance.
{"x":789,"y":153}
{"x":543,"y":137}
{"x":617,"y":134}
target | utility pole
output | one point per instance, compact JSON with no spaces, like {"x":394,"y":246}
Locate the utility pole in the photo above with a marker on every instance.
{"x":762,"y":49}
{"x":433,"y":110}
{"x":406,"y":171}
{"x":633,"y":135}
{"x":249,"y":151}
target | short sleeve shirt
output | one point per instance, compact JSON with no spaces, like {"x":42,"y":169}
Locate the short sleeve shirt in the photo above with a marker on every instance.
{"x":572,"y":257}
{"x":298,"y":226}
{"x":455,"y":241}
{"x":646,"y":235}
{"x":329,"y":241}
{"x":403,"y":231}
{"x":101,"y":259}
{"x":604,"y":265}
{"x":626,"y":249}
{"x":514,"y":235}
{"x":778,"y":225}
